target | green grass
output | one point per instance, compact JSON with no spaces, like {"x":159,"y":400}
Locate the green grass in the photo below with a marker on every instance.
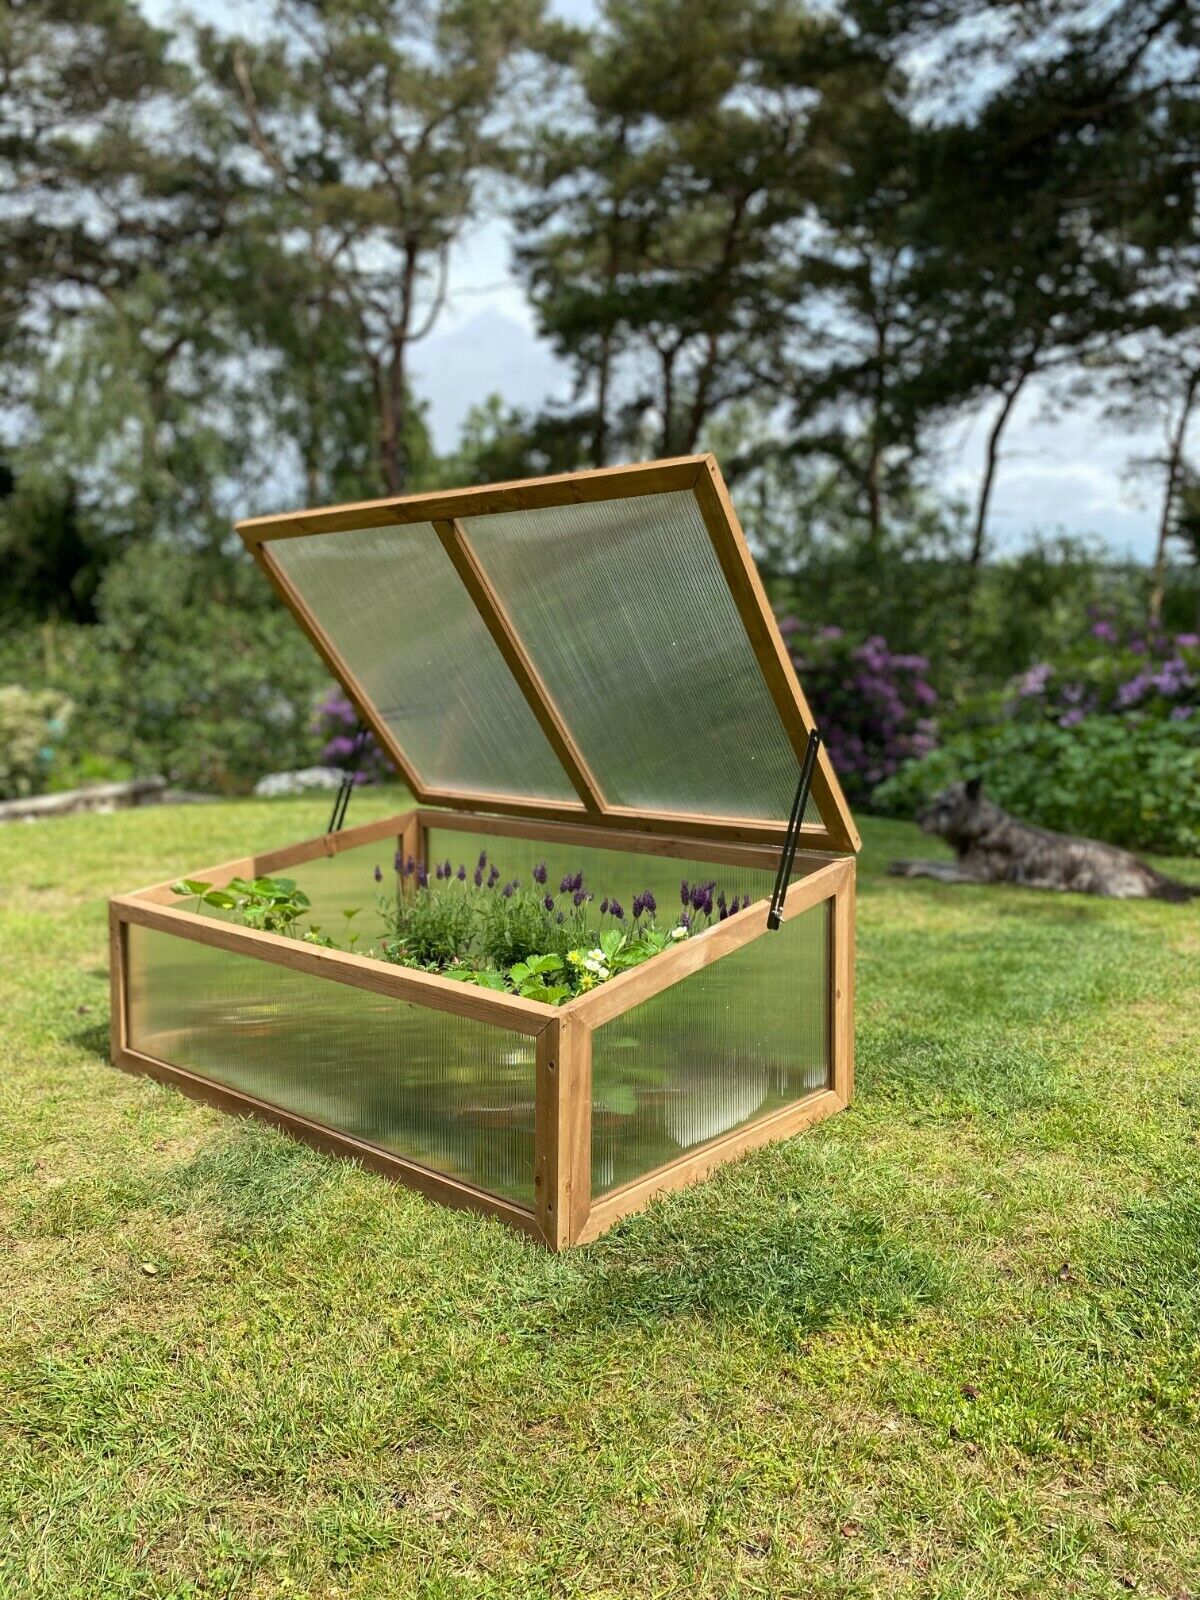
{"x":947,"y":1344}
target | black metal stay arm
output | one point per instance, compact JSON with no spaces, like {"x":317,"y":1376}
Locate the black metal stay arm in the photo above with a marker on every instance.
{"x":346,"y":787}
{"x":792,"y":836}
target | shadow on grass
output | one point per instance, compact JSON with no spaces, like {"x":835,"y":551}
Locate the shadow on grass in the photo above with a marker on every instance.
{"x":261,"y":1183}
{"x":94,"y":1040}
{"x":740,"y":1252}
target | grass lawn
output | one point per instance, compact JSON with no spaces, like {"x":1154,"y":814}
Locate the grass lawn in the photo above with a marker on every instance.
{"x":947,"y":1344}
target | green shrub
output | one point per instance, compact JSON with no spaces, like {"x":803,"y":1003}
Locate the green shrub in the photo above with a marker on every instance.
{"x":194,"y":670}
{"x":1134,"y":783}
{"x":32,"y":722}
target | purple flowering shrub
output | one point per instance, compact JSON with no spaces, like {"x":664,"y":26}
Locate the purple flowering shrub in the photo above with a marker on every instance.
{"x":1117,"y":670}
{"x":874,"y":707}
{"x":335,"y":722}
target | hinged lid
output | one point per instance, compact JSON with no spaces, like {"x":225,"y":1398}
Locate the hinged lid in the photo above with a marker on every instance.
{"x":594,"y":646}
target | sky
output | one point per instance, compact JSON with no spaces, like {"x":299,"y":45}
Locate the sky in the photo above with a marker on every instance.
{"x":1062,"y":469}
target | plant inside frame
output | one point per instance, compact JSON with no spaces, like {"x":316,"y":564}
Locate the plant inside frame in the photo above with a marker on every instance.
{"x":485,"y":928}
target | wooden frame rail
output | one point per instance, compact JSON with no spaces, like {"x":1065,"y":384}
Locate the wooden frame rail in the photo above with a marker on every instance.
{"x":562,"y":1212}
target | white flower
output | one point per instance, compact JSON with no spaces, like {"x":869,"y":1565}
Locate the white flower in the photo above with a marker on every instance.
{"x":680,"y":932}
{"x":597,"y":967}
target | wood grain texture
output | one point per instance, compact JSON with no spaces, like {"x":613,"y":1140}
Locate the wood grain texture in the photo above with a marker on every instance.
{"x":526,"y":494}
{"x":770,"y":652}
{"x":842,"y":934}
{"x":507,"y":1011}
{"x":434,"y":1185}
{"x":698,"y":1164}
{"x":679,"y":961}
{"x":507,"y":640}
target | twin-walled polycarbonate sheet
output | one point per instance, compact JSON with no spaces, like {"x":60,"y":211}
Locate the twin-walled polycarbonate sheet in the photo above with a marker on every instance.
{"x":739,"y":1039}
{"x":625,"y":611}
{"x":605,"y":872}
{"x":398,"y":615}
{"x":452,"y":1094}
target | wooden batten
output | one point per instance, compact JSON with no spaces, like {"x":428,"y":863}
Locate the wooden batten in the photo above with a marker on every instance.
{"x":499,"y":624}
{"x":525,"y":494}
{"x":604,"y":836}
{"x":340,"y":966}
{"x":745,"y":585}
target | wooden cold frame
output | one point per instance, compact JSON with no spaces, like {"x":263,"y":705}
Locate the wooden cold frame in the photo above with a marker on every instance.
{"x":446,"y":510}
{"x":564,"y":1213}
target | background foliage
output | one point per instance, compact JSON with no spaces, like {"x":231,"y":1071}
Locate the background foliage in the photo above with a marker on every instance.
{"x":808,"y":238}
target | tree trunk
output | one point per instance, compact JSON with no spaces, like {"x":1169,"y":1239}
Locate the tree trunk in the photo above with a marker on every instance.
{"x":991,"y":462}
{"x":600,"y":436}
{"x":1174,"y":462}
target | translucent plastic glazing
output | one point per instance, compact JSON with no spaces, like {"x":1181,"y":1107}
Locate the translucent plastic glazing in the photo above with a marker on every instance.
{"x":625,"y":611}
{"x":605,"y":872}
{"x":398,"y":614}
{"x":455,"y":1095}
{"x":737,"y":1040}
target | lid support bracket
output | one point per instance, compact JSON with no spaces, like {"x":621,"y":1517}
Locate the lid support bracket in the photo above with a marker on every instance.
{"x":508,"y":641}
{"x":787,"y":855}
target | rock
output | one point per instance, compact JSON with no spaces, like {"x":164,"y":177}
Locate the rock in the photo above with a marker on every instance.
{"x":284,"y":783}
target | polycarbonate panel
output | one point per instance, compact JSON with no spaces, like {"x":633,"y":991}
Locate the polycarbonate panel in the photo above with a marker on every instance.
{"x":397,"y":613}
{"x":734,"y":1042}
{"x":452,"y":1094}
{"x":605,"y":872}
{"x":625,"y":611}
{"x":334,"y":885}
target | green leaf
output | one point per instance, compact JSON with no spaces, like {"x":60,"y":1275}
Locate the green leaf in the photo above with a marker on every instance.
{"x":221,"y":899}
{"x":190,"y":886}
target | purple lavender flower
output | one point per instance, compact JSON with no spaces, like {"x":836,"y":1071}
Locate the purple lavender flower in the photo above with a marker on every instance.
{"x":398,"y":862}
{"x":567,"y":884}
{"x":722,"y":908}
{"x":482,"y":860}
{"x":449,"y":871}
{"x":461,"y":874}
{"x":649,"y":903}
{"x":508,"y":890}
{"x":439,"y":871}
{"x":685,"y":920}
{"x":617,"y":909}
{"x":410,"y":866}
{"x":548,"y":902}
{"x":580,"y":896}
{"x":493,"y":876}
{"x":422,"y":875}
{"x":378,"y":874}
{"x":478,"y":877}
{"x":539,"y":872}
{"x":685,"y":894}
{"x":604,"y":906}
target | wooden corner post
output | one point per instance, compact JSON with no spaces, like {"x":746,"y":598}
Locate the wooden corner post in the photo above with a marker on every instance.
{"x":841,"y":985}
{"x":563,"y":1130}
